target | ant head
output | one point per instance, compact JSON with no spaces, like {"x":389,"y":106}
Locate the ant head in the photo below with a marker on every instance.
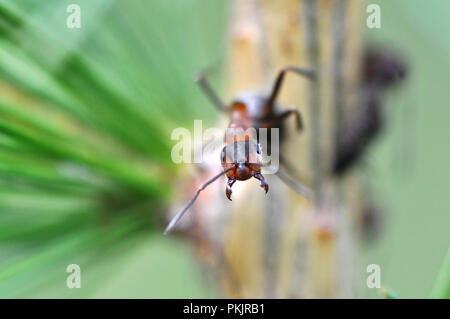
{"x":383,"y":67}
{"x":243,"y":158}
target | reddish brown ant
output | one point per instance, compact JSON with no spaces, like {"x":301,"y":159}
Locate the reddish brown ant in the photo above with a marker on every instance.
{"x":241,"y":157}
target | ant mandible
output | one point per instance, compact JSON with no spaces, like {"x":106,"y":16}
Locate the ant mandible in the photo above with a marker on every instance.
{"x":241,"y":157}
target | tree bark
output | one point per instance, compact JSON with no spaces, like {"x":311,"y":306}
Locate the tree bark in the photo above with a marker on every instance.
{"x":283,"y":245}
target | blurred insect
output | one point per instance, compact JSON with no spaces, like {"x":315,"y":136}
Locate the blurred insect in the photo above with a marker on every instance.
{"x":372,"y":220}
{"x":381,"y":70}
{"x":241,"y":157}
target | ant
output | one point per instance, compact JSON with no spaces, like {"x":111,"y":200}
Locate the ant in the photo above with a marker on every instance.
{"x":380,"y":71}
{"x":241,"y":156}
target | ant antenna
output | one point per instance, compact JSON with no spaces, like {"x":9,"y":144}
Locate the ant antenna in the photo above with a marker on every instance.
{"x":210,"y":93}
{"x":189,"y":204}
{"x":310,"y":74}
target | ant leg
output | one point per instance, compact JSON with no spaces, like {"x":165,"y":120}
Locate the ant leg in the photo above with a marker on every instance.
{"x":297,"y":187}
{"x":285,"y":114}
{"x":263,"y":183}
{"x":279,"y":80}
{"x":209,"y":92}
{"x":229,"y":185}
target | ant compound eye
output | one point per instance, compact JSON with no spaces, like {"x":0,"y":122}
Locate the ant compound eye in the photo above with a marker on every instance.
{"x":222,"y":156}
{"x":258,"y":149}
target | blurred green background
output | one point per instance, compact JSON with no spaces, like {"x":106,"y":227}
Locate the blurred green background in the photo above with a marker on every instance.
{"x":409,"y":165}
{"x":85,"y":122}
